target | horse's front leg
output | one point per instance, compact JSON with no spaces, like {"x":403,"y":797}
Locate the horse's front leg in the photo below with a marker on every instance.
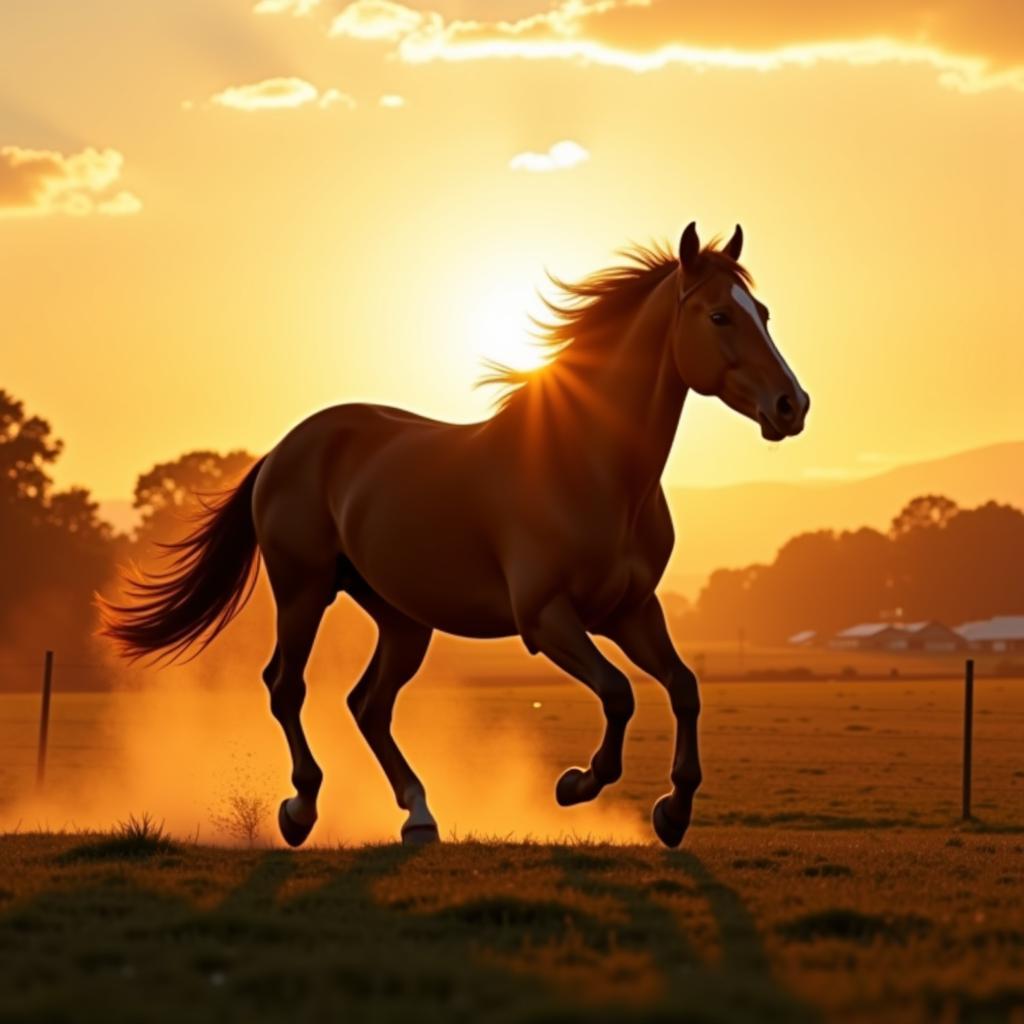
{"x":556,"y":631}
{"x":644,"y":639}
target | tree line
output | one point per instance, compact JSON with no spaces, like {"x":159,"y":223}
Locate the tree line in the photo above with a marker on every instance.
{"x":935,"y":561}
{"x":56,"y":552}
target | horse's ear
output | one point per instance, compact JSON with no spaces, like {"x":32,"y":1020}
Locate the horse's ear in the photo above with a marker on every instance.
{"x":689,"y":246}
{"x":735,"y":246}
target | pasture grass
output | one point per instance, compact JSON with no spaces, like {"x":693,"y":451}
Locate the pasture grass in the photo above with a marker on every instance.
{"x":775,"y":755}
{"x":762,"y":925}
{"x":824,"y":880}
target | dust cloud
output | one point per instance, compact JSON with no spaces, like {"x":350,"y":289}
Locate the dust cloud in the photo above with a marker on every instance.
{"x":179,"y":742}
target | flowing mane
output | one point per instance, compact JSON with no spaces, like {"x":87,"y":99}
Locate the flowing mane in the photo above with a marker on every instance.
{"x":585,"y":309}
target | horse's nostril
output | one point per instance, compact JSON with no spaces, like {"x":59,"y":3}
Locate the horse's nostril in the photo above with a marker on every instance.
{"x":785,"y":408}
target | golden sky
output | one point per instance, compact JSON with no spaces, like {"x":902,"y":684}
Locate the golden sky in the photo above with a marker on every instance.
{"x":217,"y":216}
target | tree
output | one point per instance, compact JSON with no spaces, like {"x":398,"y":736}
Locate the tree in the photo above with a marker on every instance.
{"x":724,"y":605}
{"x":169,"y":494}
{"x":26,"y":448}
{"x":928,"y":510}
{"x":970,"y":569}
{"x":54,"y":548}
{"x":74,"y":512}
{"x":56,"y":552}
{"x":937,"y":562}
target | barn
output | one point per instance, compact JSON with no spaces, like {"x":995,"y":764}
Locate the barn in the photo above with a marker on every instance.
{"x":1002,"y":633}
{"x":866,"y":636}
{"x":930,"y":636}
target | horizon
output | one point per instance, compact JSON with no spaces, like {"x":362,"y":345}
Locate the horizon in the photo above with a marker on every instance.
{"x":870,"y":471}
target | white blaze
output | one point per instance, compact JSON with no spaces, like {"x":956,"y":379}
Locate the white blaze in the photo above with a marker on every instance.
{"x":745,"y":301}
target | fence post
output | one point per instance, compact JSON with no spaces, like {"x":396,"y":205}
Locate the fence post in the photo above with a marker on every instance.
{"x":44,"y":718}
{"x":968,"y":734}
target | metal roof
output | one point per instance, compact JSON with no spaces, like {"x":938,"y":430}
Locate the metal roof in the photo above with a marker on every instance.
{"x":920,"y":627}
{"x":803,"y":636}
{"x":999,"y":627}
{"x":864,"y":629}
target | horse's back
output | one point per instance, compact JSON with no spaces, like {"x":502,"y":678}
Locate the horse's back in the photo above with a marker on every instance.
{"x":415,"y":503}
{"x":290,"y":502}
{"x":403,"y":498}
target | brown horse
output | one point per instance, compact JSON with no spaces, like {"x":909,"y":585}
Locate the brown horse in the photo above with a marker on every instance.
{"x":547,"y":521}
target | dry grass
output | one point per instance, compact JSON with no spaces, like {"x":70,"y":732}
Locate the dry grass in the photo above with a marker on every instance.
{"x":840,"y":755}
{"x":826,"y":878}
{"x":744,"y":925}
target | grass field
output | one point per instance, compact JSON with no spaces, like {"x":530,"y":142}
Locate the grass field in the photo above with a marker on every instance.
{"x":743,"y":925}
{"x":827,"y":876}
{"x":844,"y":754}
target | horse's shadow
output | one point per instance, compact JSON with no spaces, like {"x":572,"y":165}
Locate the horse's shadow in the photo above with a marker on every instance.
{"x":735,"y":982}
{"x":390,"y":933}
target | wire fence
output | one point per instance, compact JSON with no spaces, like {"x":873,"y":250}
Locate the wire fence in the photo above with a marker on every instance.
{"x":901,"y":741}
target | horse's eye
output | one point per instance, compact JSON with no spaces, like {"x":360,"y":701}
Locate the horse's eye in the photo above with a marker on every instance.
{"x":720,"y":319}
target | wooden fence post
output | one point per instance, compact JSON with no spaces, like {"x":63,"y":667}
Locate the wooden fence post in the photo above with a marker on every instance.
{"x":968,"y":734}
{"x":44,"y":718}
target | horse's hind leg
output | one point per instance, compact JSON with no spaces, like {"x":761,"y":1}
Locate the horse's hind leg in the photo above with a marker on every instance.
{"x":301,"y":601}
{"x":401,"y":646}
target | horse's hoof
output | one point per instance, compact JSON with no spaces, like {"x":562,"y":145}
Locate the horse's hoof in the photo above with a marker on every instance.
{"x":568,"y":789}
{"x":420,"y":835}
{"x":669,"y":831}
{"x":293,"y":833}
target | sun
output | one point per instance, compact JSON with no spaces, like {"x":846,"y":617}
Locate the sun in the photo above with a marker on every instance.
{"x":500,"y":327}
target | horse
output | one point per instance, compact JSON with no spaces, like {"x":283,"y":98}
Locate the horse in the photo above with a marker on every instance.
{"x":547,"y":521}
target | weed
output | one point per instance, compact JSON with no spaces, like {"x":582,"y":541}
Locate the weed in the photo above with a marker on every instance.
{"x":132,"y":839}
{"x":242,"y":816}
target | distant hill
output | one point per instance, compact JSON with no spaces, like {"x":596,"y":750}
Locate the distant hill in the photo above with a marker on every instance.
{"x":728,"y":527}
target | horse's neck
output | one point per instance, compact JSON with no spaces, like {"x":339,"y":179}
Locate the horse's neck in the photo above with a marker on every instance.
{"x":635,"y":395}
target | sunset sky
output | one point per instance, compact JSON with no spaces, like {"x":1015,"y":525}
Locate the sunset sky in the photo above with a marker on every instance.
{"x":217,"y":216}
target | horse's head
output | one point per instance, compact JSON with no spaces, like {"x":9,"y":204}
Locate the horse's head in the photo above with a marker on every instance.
{"x":721,"y":343}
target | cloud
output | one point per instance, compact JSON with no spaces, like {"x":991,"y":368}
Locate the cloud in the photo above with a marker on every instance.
{"x":561,"y":156}
{"x":392,"y":101}
{"x":296,"y":7}
{"x":270,"y":94}
{"x":38,"y":182}
{"x":332,"y":97}
{"x":278,"y":94}
{"x":121,"y":205}
{"x":380,"y":19}
{"x":972,"y":46}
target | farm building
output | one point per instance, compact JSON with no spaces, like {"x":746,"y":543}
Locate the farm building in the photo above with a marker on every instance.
{"x":929,"y":636}
{"x":866,"y":636}
{"x":1000,"y":633}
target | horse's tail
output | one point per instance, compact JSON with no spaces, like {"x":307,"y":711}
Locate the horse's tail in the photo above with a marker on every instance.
{"x":211,"y":575}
